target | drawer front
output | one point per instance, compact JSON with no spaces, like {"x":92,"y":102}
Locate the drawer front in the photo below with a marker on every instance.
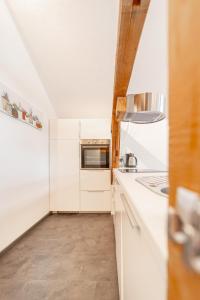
{"x":95,"y":180}
{"x":95,"y":201}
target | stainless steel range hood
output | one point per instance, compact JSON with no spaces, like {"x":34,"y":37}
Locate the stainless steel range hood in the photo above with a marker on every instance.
{"x":145,"y":108}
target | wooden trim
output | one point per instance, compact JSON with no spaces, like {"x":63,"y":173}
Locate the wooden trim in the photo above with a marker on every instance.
{"x":132,"y":15}
{"x":184,"y":130}
{"x":120,"y":108}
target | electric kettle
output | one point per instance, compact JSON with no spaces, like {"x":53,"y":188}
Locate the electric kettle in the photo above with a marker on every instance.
{"x":130,"y":160}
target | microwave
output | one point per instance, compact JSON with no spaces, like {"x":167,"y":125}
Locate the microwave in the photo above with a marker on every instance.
{"x":95,"y":154}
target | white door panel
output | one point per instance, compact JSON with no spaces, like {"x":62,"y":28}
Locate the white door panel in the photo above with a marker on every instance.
{"x":95,"y":129}
{"x":142,"y":279}
{"x":64,"y":175}
{"x":92,"y":180}
{"x":64,"y":129}
{"x":95,"y":201}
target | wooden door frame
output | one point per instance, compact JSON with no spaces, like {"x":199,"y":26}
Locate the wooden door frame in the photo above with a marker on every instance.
{"x":132,"y":15}
{"x":184,"y":130}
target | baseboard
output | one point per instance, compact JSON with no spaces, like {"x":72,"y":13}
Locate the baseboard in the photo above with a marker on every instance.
{"x":23,"y":234}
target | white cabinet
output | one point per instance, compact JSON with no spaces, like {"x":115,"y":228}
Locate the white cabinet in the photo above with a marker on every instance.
{"x":95,"y":190}
{"x":95,"y":129}
{"x":139,"y":273}
{"x":95,"y":180}
{"x":64,"y":175}
{"x":67,"y":192}
{"x":142,"y":278}
{"x":64,"y":165}
{"x":118,"y":209}
{"x":95,"y":201}
{"x":64,"y":129}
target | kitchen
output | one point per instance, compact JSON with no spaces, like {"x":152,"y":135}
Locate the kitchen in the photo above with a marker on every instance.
{"x":89,"y":130}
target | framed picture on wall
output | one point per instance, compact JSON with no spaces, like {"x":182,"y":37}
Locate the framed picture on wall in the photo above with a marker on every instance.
{"x":14,"y":106}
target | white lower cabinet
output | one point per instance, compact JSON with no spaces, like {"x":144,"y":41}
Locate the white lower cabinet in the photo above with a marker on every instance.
{"x":95,"y":190}
{"x":92,"y":201}
{"x":91,"y":180}
{"x":118,"y":234}
{"x":139,"y":275}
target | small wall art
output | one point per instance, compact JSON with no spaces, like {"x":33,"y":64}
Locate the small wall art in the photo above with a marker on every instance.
{"x":13,"y":106}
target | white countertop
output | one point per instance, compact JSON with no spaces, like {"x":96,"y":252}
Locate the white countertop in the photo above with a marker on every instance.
{"x":151,"y":208}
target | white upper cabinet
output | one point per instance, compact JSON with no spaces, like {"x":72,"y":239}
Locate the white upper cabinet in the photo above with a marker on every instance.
{"x":95,"y":129}
{"x":64,"y":129}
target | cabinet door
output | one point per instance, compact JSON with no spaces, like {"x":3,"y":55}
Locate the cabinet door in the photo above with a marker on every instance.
{"x":131,"y":259}
{"x":95,"y":180}
{"x":64,"y":175}
{"x":95,"y":201}
{"x":64,"y":129}
{"x":118,"y":235}
{"x":142,"y":278}
{"x":95,"y":129}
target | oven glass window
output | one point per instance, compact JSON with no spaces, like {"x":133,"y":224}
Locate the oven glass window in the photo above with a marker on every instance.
{"x":97,"y":157}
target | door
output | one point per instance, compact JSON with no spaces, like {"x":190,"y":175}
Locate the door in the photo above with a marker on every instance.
{"x":64,"y":175}
{"x":184,"y":119}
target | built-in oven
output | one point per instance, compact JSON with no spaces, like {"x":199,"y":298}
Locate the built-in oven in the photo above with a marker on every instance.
{"x":95,"y":154}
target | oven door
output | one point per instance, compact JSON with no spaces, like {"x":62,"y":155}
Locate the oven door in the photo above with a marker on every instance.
{"x":95,"y":157}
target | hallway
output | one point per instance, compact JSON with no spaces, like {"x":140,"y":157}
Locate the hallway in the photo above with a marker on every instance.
{"x":65,"y":257}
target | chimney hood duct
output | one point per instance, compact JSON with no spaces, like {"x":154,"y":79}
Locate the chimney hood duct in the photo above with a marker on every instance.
{"x":145,"y":108}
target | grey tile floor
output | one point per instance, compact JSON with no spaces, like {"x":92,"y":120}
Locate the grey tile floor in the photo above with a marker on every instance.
{"x":65,"y":257}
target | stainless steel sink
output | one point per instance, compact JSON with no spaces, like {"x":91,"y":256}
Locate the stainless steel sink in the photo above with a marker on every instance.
{"x":136,"y":170}
{"x":165,"y":190}
{"x":157,"y":184}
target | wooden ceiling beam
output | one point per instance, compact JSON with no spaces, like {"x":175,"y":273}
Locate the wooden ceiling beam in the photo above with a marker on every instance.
{"x":132,"y":16}
{"x":120,"y":108}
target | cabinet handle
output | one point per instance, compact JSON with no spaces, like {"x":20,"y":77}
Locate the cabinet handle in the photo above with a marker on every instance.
{"x":98,"y":191}
{"x":130,"y":216}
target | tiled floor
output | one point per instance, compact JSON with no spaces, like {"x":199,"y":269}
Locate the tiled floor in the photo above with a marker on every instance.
{"x":65,"y":257}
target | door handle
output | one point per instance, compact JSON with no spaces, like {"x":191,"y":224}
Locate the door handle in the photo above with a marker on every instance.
{"x":129,"y":214}
{"x":184,"y":226}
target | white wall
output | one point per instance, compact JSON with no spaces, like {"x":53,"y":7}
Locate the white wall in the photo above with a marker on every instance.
{"x":150,"y":74}
{"x":72,"y":44}
{"x":150,"y":67}
{"x":148,"y":142}
{"x":24,"y":161}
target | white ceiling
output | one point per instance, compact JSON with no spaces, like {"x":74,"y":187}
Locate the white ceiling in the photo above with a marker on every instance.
{"x":72,"y":45}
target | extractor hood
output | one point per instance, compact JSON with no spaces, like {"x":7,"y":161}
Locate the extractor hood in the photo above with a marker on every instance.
{"x":145,"y":108}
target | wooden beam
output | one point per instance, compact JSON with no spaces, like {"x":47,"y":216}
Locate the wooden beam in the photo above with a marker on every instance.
{"x":132,"y":16}
{"x":120,"y":108}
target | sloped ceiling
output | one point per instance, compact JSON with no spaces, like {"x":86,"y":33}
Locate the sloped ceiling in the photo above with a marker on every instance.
{"x":72,"y":44}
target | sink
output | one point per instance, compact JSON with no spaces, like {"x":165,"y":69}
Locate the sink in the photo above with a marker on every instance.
{"x":165,"y":190}
{"x":136,"y":170}
{"x":157,"y":184}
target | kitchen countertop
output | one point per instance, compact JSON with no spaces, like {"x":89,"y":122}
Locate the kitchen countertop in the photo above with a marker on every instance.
{"x":149,"y":207}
